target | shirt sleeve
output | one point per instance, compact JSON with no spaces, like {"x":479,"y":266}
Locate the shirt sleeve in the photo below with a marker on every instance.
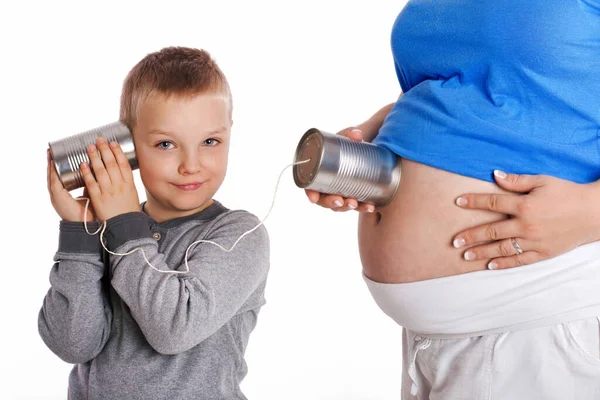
{"x":178,"y":311}
{"x":76,"y":315}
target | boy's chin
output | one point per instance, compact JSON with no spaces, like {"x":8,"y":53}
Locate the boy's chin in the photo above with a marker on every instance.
{"x":191,"y":206}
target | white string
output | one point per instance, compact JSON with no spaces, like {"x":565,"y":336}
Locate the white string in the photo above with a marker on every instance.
{"x":187,"y":268}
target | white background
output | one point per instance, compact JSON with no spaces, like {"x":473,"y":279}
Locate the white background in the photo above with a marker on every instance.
{"x":291,"y":66}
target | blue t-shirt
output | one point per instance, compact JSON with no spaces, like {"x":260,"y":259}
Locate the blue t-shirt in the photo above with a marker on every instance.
{"x":498,"y":84}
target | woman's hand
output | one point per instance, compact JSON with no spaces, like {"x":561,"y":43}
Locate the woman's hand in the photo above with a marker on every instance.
{"x":68,"y":208}
{"x":112,"y":190}
{"x":335,"y":202}
{"x":548,"y":217}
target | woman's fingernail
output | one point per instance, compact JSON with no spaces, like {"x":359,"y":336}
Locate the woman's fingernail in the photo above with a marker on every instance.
{"x":113,"y":144}
{"x":84,"y":165}
{"x":338,"y":203}
{"x":500,"y":174}
{"x":492,"y":265}
{"x":92,"y":148}
{"x":356,"y":130}
{"x":100,"y":140}
{"x":461,"y":201}
{"x":458,"y":242}
{"x":469,"y":256}
{"x":351,"y":206}
{"x":370,"y":209}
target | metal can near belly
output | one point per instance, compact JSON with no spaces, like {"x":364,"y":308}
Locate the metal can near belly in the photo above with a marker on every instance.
{"x":70,"y":152}
{"x":338,"y":165}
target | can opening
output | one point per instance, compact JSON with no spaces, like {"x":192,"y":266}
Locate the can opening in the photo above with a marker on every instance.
{"x":310,"y":148}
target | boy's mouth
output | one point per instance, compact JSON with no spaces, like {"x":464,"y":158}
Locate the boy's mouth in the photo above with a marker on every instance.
{"x":189,"y":186}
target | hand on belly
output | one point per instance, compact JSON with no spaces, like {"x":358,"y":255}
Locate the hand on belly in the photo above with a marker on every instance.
{"x":411,"y":238}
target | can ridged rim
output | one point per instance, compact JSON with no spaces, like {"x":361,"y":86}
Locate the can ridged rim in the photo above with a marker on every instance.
{"x":397,"y":185}
{"x":296,"y":170}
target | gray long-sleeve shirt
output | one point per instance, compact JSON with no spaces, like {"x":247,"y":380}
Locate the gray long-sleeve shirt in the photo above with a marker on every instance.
{"x":135,"y":333}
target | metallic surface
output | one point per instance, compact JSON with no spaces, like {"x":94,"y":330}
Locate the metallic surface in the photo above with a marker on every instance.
{"x":338,"y":165}
{"x":70,"y":152}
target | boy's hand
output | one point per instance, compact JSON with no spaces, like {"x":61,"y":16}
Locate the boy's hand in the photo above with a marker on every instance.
{"x":112,"y":191}
{"x":65,"y":205}
{"x":335,"y":202}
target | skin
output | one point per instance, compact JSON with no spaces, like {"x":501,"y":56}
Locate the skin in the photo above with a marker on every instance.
{"x":67,"y":207}
{"x":546,"y":215}
{"x":182,"y":148}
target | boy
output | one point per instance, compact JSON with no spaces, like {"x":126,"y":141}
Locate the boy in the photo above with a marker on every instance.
{"x":132,"y":331}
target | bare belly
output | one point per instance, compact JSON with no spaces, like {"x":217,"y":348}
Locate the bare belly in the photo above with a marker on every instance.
{"x":411,"y":238}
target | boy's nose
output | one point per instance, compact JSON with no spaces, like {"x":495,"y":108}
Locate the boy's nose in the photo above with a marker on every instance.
{"x":190,"y":165}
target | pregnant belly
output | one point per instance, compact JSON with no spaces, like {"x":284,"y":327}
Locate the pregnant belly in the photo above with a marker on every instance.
{"x":411,"y":238}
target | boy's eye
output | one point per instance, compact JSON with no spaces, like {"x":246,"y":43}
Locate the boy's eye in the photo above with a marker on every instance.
{"x":211,"y":142}
{"x":164,"y":145}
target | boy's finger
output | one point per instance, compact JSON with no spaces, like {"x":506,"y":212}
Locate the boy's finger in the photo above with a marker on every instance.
{"x":108,"y":159}
{"x":122,"y":162}
{"x":93,"y":188}
{"x":101,"y":176}
{"x":55,"y":186}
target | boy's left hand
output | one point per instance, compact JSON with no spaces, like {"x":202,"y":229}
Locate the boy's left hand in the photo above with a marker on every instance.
{"x":112,"y":191}
{"x":549,"y":217}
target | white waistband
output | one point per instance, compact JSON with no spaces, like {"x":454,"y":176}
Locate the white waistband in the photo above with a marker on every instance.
{"x":561,"y":289}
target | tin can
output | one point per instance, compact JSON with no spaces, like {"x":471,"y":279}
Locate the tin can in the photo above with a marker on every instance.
{"x":341,"y":166}
{"x":70,"y":152}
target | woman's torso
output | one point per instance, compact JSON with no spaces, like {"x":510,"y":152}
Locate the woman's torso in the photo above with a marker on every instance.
{"x":488,"y":85}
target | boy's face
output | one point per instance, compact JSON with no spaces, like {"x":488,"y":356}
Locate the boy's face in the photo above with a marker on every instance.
{"x":182,"y":144}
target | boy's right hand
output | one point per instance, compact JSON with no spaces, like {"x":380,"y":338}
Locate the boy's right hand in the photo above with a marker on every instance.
{"x":335,"y":202}
{"x":65,"y":205}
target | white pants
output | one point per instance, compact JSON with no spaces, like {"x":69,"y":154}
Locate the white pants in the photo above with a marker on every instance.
{"x":525,"y":333}
{"x":559,"y":362}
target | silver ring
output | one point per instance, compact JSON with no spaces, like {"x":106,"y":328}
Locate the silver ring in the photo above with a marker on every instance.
{"x":518,"y":248}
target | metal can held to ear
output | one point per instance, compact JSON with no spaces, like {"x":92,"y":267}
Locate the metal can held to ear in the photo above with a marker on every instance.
{"x":341,"y":166}
{"x":70,"y":152}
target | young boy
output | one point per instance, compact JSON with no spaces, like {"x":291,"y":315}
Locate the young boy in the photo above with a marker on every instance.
{"x":132,"y":331}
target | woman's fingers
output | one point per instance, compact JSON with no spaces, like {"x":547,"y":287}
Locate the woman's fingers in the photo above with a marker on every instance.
{"x":331,"y":201}
{"x":519,"y":183}
{"x":525,"y":258}
{"x":492,"y":231}
{"x":313,"y":196}
{"x":499,"y":248}
{"x":509,"y":204}
{"x":338,"y":203}
{"x":352,"y":133}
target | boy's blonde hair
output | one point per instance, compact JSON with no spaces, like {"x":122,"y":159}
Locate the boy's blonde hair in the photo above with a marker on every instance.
{"x":180,"y":71}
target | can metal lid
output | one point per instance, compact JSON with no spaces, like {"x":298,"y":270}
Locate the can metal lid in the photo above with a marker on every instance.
{"x":310,"y":148}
